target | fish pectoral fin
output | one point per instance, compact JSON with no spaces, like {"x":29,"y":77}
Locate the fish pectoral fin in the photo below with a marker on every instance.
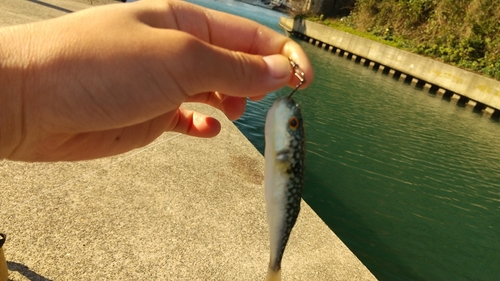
{"x":283,"y":155}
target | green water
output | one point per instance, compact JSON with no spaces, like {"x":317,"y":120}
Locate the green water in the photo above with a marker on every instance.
{"x":408,"y":181}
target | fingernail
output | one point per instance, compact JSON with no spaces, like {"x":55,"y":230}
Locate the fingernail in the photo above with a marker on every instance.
{"x":278,"y":66}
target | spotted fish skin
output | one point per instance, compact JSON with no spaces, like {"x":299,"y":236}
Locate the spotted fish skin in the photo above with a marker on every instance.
{"x":284,"y":176}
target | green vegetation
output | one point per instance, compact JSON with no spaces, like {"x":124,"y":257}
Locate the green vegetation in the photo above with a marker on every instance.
{"x":464,"y":33}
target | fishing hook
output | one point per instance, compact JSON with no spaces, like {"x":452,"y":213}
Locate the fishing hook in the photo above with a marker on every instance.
{"x":297,"y":72}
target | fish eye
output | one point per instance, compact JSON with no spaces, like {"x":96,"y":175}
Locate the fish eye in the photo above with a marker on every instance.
{"x":293,"y":123}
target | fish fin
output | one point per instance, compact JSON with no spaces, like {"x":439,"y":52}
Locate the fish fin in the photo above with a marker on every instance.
{"x":273,"y":275}
{"x":283,"y":155}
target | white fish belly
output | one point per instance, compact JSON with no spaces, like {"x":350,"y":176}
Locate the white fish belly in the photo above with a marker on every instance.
{"x":275,"y":184}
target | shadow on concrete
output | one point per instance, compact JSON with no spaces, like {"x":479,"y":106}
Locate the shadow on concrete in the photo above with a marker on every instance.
{"x":26,"y":271}
{"x":51,"y":6}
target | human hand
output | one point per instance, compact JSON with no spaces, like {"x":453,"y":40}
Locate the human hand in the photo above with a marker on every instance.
{"x":110,"y":79}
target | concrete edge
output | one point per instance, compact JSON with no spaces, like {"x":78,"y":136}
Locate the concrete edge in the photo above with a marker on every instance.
{"x":68,"y":221}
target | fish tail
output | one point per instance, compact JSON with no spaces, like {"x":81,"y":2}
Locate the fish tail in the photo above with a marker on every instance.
{"x":273,"y":275}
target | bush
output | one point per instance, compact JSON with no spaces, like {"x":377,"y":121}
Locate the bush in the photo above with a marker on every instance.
{"x":459,"y":32}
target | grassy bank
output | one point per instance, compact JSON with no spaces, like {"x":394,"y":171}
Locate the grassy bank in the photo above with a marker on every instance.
{"x":462,"y":33}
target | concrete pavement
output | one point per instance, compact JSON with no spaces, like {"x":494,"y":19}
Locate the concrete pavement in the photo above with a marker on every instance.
{"x":181,"y":208}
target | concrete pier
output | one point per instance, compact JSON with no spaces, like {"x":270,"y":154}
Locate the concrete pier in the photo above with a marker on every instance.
{"x":418,"y":70}
{"x":181,"y":208}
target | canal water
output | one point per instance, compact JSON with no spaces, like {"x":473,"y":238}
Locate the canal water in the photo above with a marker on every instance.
{"x":409,"y":182}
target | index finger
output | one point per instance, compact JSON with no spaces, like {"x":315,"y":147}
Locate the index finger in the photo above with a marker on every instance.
{"x":224,"y":30}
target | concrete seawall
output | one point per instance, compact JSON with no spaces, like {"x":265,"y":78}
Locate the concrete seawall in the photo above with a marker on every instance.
{"x":181,"y":208}
{"x":469,"y":89}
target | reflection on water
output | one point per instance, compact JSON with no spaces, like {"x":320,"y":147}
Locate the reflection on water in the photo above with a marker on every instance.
{"x":410,"y":182}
